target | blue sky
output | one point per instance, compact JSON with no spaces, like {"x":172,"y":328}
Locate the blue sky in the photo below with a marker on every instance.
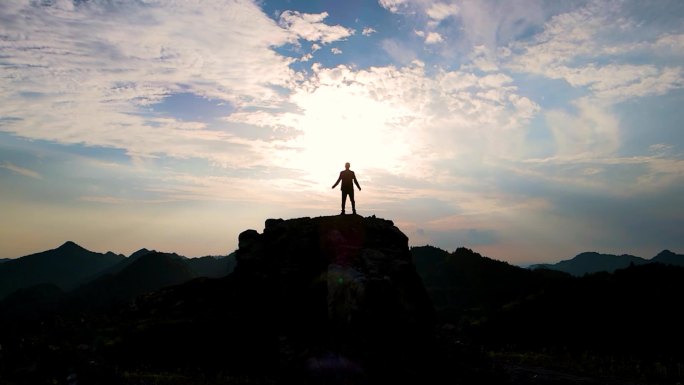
{"x":527,"y":130}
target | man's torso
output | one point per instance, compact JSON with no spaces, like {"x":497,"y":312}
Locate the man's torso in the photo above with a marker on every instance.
{"x":347,"y":177}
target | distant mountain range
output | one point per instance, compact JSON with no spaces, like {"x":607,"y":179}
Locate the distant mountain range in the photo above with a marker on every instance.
{"x":72,"y":268}
{"x":591,"y":262}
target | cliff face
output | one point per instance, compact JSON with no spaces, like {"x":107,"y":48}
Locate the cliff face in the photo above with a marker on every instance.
{"x":349,"y":266}
{"x":344,"y":291}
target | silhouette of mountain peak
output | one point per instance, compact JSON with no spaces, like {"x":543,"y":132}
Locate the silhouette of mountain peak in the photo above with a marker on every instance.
{"x":140,"y":253}
{"x":665,"y":253}
{"x":586,"y":254}
{"x":669,"y":258}
{"x":70,"y":246}
{"x":156,"y":257}
{"x":67,"y":266}
{"x":592,"y":262}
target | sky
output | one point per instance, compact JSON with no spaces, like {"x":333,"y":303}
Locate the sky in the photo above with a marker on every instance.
{"x":528,"y":131}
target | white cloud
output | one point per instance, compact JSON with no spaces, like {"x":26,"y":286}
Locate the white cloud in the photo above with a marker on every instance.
{"x":419,"y":33}
{"x":315,"y":47}
{"x":70,"y":77}
{"x":487,"y":23}
{"x":621,"y":82}
{"x":335,"y":51}
{"x":367,"y":31}
{"x":440,"y":11}
{"x":276,"y":120}
{"x":573,"y":43}
{"x":392,"y":5}
{"x":310,"y":27}
{"x":21,"y":170}
{"x":433,"y":38}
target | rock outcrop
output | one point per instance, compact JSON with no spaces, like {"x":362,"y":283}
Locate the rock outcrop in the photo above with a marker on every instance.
{"x":347,"y":297}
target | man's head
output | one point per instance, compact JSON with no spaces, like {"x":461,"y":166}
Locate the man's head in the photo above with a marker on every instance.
{"x":347,"y":165}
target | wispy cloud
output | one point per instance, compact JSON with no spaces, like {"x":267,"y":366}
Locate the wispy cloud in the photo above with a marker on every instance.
{"x":399,"y":51}
{"x":21,"y":170}
{"x":572,"y":44}
{"x":103,"y":199}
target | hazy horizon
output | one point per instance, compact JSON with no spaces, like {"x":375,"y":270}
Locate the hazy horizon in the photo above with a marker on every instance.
{"x":129,"y":251}
{"x":528,"y":131}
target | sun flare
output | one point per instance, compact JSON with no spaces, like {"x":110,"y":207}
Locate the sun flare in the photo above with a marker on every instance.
{"x":344,"y":124}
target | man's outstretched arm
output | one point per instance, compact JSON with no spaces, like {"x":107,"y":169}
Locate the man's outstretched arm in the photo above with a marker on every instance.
{"x":357,"y":183}
{"x":338,"y":181}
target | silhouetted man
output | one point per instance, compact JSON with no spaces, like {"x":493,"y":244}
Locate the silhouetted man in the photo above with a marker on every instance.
{"x":346,"y":177}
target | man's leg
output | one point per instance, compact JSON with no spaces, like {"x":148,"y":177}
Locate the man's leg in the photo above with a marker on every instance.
{"x":351,"y":198}
{"x":344,"y":200}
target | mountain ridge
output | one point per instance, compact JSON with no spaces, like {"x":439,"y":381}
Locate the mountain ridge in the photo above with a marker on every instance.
{"x":66,"y":266}
{"x":70,"y":266}
{"x":593,"y":262}
{"x":67,"y":274}
{"x":147,"y":273}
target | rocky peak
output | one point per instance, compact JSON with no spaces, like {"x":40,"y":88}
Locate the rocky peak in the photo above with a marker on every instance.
{"x":70,"y":246}
{"x":343,"y":286}
{"x":347,"y":241}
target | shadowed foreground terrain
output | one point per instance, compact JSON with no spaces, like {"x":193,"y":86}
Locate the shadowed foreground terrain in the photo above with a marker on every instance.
{"x":548,"y":327}
{"x":311,"y":300}
{"x":343,"y":300}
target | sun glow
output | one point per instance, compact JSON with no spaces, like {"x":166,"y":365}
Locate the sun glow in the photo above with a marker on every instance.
{"x":342,"y":123}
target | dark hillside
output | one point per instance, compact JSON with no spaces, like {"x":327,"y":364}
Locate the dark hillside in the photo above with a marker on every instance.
{"x":149,"y":272}
{"x":667,"y":257}
{"x":66,"y":267}
{"x":212,"y":267}
{"x":312,"y":300}
{"x":631,"y":318}
{"x":465,"y":286}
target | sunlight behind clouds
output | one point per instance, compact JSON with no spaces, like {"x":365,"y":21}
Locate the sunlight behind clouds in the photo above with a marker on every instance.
{"x":342,"y":122}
